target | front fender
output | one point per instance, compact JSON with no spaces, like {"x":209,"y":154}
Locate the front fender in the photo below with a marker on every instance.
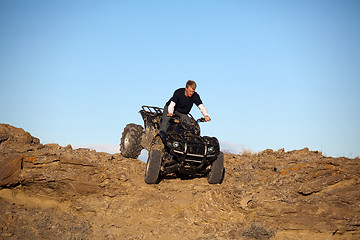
{"x":163,"y":135}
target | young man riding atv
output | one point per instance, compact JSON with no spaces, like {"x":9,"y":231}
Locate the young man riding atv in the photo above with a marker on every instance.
{"x":172,"y":138}
{"x":181,"y":104}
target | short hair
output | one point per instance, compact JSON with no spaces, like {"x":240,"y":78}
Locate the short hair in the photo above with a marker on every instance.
{"x":191,"y":84}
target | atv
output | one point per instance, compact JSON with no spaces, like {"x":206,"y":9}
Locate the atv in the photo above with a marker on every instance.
{"x":180,"y":151}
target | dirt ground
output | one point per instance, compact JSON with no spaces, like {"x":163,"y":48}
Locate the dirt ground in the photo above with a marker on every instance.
{"x":54,"y":192}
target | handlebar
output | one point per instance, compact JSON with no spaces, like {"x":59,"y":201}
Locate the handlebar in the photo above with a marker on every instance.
{"x":175,"y":119}
{"x":201,"y":120}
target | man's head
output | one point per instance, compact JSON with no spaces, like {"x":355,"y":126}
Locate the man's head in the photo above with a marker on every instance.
{"x":190,"y":88}
{"x":191,"y":84}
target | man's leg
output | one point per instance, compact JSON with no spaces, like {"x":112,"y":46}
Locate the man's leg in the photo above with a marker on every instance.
{"x":184,"y":118}
{"x":165,"y":120}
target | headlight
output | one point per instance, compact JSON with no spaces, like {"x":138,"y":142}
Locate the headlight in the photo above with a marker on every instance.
{"x":176,"y":144}
{"x":210,"y":149}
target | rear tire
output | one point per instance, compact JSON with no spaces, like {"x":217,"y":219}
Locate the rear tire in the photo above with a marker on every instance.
{"x":153,"y":167}
{"x":216,"y":175}
{"x":130,"y":143}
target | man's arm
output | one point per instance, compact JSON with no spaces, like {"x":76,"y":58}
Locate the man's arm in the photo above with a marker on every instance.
{"x":204,"y":112}
{"x":173,"y":101}
{"x":171,"y":108}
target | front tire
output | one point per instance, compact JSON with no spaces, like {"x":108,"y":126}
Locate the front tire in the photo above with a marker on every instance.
{"x":216,"y":175}
{"x":153,"y":167}
{"x":130,"y":143}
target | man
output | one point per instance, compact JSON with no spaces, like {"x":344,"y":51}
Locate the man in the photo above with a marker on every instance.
{"x":181,"y":104}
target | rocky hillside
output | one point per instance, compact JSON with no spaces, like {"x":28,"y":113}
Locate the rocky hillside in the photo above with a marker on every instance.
{"x":54,"y":192}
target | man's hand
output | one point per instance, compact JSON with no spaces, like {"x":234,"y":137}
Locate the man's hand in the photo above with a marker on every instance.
{"x":207,"y":118}
{"x":170,"y":114}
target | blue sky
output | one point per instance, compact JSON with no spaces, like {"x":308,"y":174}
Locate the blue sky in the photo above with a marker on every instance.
{"x":272,"y":74}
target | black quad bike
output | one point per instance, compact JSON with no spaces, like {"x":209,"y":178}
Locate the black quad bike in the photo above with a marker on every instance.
{"x":180,"y":151}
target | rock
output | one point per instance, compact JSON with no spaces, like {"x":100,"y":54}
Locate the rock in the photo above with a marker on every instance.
{"x":68,"y":147}
{"x":10,"y":170}
{"x":245,"y":202}
{"x":3,"y":134}
{"x":16,"y":135}
{"x":53,"y":146}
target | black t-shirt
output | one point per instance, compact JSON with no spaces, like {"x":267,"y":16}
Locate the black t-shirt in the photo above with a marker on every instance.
{"x":183,"y":104}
